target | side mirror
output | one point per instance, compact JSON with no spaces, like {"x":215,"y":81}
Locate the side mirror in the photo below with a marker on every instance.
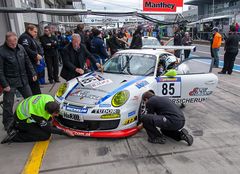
{"x":171,"y":73}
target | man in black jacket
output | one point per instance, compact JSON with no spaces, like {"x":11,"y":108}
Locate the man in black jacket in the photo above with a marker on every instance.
{"x":231,"y":51}
{"x":74,"y":59}
{"x":49,"y":43}
{"x":177,"y":40}
{"x":13,"y":76}
{"x":98,"y":47}
{"x":164,"y":114}
{"x":27,"y":40}
{"x":112,"y":42}
{"x":137,"y":39}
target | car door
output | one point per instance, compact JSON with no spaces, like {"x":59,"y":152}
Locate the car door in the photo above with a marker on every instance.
{"x":194,"y":81}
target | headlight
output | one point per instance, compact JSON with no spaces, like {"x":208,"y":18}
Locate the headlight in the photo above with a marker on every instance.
{"x":120,"y":98}
{"x":61,"y":90}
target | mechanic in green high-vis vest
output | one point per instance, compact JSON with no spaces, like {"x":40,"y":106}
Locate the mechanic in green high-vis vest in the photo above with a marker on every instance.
{"x":32,"y":120}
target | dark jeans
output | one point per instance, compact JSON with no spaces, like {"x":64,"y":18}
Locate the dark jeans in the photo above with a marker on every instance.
{"x":52,"y":67}
{"x":177,"y":53}
{"x":35,"y":87}
{"x":8,"y":101}
{"x":229,"y":59}
{"x":170,"y":128}
{"x":186,"y":53}
{"x":29,"y":132}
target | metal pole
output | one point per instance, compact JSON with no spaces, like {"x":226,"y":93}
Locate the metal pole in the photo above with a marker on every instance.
{"x":213,"y":8}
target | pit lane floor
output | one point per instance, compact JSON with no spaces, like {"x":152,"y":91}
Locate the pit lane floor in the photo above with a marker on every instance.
{"x":216,"y":149}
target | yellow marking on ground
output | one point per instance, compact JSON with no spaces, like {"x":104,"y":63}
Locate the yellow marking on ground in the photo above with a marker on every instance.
{"x":35,"y":158}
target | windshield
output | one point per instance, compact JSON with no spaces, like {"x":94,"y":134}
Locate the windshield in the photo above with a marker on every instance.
{"x":147,"y":41}
{"x":133,"y":64}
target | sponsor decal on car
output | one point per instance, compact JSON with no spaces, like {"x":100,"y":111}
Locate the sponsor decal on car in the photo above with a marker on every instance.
{"x":168,"y":79}
{"x":105,"y":105}
{"x":85,"y":94}
{"x":170,"y":86}
{"x":130,"y":120}
{"x":77,"y":109}
{"x":200,"y":92}
{"x":88,"y":80}
{"x":141,"y":84}
{"x":106,"y":111}
{"x":110,"y":116}
{"x":73,"y":117}
{"x":187,"y":100}
{"x":135,"y":98}
{"x":85,"y":134}
{"x":131,"y":113}
{"x":101,"y":83}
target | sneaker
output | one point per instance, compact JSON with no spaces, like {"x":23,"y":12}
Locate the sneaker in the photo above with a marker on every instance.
{"x":186,"y":137}
{"x":9,"y":137}
{"x":157,"y":140}
{"x":51,"y":81}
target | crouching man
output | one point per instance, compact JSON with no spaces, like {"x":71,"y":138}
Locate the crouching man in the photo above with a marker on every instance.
{"x":164,"y":114}
{"x":32,"y":120}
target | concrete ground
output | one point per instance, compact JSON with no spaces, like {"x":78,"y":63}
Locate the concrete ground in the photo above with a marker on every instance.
{"x":216,"y":149}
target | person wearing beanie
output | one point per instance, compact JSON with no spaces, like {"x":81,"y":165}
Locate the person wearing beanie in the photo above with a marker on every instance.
{"x":231,"y":51}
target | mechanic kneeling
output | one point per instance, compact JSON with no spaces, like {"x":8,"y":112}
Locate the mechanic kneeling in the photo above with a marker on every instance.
{"x":32,"y":120}
{"x":164,"y":114}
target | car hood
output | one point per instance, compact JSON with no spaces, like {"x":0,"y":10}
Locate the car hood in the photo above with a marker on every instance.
{"x":95,"y":88}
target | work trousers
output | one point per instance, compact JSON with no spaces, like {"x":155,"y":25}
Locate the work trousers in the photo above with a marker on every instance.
{"x":8,"y":101}
{"x":29,"y":132}
{"x":52,"y":67}
{"x":170,"y":128}
{"x":229,"y":59}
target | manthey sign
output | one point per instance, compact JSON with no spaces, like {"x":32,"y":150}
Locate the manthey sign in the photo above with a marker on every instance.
{"x":164,"y":6}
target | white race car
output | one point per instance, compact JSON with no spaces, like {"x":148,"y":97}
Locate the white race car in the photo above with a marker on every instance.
{"x":150,"y":42}
{"x":108,"y":103}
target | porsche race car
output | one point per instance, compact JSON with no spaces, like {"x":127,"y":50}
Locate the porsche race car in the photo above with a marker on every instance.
{"x":108,"y":104}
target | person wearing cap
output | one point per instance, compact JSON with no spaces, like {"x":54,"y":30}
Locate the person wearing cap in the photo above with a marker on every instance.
{"x":164,"y":114}
{"x":231,"y":51}
{"x":216,"y":44}
{"x":33,"y":120}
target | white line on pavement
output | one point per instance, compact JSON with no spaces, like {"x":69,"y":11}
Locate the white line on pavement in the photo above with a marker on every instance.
{"x":210,"y":54}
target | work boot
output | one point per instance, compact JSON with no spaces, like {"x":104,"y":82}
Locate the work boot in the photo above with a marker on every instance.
{"x":9,"y":137}
{"x":157,"y":140}
{"x":186,"y":137}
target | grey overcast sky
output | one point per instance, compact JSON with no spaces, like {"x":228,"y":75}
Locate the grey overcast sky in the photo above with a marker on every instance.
{"x":116,"y":5}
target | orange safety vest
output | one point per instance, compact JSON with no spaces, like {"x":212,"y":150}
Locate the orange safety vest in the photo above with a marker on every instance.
{"x":217,"y":40}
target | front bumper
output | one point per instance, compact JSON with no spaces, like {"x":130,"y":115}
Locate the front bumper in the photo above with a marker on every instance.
{"x":100,"y":134}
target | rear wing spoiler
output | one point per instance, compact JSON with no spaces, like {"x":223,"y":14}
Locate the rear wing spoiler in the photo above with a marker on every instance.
{"x":193,"y":48}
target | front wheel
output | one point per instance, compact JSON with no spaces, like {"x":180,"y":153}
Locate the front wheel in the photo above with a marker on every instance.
{"x":141,"y":111}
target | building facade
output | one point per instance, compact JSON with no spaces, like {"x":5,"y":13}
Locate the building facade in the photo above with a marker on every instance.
{"x":17,"y":22}
{"x":210,"y":8}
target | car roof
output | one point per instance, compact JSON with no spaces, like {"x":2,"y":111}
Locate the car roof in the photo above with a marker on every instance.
{"x":149,"y":37}
{"x":144,"y":51}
